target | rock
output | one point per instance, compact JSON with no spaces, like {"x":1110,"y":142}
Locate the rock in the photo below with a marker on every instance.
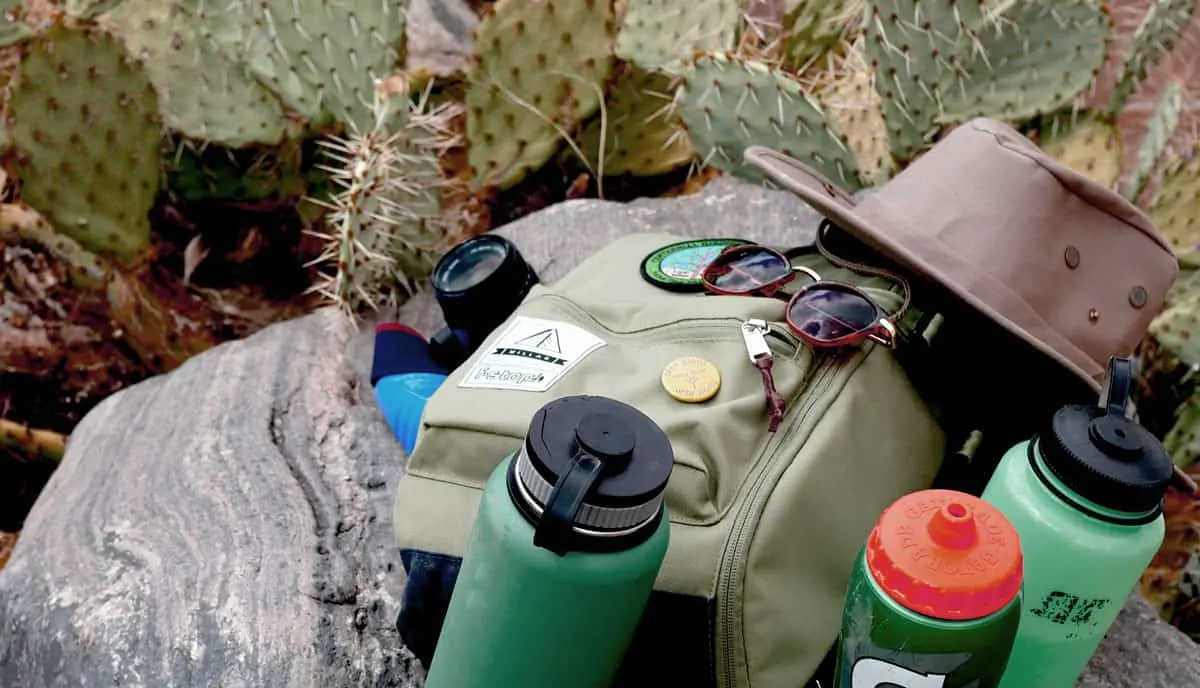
{"x":437,"y":36}
{"x":228,"y":524}
{"x":1142,"y":650}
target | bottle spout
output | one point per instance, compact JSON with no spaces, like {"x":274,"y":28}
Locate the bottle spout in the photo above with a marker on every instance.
{"x":953,"y":526}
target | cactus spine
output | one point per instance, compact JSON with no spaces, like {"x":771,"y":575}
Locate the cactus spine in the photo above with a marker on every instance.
{"x":382,"y":235}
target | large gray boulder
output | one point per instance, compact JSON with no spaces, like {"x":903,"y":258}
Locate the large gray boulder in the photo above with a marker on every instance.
{"x":228,"y":524}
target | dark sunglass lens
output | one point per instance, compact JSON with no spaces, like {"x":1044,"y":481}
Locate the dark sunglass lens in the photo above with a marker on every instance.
{"x":827,"y":314}
{"x":745,"y":271}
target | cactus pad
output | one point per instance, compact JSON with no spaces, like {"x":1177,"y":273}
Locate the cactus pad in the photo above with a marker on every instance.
{"x":1176,"y":212}
{"x":1156,"y":36}
{"x":203,"y":93}
{"x":728,"y":104}
{"x":1036,"y":59}
{"x":913,"y":44}
{"x":814,"y":26}
{"x":84,"y":120}
{"x":1160,"y":129}
{"x":1177,"y":328}
{"x":13,"y":29}
{"x":537,"y":71}
{"x":656,"y":34}
{"x":1182,"y":441}
{"x":321,"y":57}
{"x":644,"y":135}
{"x":852,"y":104}
{"x":1090,"y":145}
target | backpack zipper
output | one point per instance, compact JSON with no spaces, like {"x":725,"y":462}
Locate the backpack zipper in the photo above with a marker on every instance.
{"x":734,"y":556}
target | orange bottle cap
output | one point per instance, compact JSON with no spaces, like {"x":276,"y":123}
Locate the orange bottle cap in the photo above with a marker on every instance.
{"x":946,"y":554}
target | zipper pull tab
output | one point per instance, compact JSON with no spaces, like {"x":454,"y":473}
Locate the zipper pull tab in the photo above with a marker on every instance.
{"x":754,"y":332}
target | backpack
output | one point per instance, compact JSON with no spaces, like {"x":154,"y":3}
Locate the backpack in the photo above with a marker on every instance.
{"x":765,"y":528}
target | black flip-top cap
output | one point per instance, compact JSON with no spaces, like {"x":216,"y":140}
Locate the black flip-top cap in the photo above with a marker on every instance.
{"x":1107,"y":458}
{"x":636,"y":454}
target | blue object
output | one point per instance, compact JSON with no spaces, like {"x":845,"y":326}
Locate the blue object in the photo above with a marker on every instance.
{"x":404,"y":376}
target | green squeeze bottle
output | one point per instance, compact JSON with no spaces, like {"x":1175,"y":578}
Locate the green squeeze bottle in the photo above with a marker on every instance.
{"x":935,"y":598}
{"x":1086,"y":497}
{"x":566,"y":546}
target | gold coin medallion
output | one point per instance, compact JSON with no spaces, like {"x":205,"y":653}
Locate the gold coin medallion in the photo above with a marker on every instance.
{"x":691,"y":379}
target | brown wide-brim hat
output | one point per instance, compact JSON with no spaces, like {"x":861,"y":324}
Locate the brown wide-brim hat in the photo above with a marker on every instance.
{"x":1064,"y":263}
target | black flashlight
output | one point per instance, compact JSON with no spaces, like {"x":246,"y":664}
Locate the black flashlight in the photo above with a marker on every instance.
{"x":478,"y":284}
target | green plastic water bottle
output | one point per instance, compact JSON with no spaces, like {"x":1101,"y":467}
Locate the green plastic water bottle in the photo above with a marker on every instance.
{"x":935,"y":598}
{"x":1086,"y":497}
{"x":565,"y":549}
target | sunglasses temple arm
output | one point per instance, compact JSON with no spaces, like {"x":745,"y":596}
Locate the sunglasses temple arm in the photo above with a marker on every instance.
{"x":825,"y":226}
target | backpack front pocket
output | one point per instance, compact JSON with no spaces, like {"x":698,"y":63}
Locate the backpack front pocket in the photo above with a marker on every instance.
{"x":716,"y":442}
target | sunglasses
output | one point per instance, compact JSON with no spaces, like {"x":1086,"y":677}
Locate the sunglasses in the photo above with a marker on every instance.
{"x":822,"y":313}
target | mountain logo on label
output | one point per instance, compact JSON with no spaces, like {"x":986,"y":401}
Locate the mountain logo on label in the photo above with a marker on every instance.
{"x":546,"y":340}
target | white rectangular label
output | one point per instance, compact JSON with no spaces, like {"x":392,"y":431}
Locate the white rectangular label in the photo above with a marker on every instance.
{"x":530,"y":355}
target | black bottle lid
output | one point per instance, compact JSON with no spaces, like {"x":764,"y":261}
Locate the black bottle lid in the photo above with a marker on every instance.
{"x":591,"y":468}
{"x":1103,"y":455}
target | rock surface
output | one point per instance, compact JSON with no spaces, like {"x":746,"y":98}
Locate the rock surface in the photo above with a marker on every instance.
{"x":437,"y":36}
{"x":228,"y":524}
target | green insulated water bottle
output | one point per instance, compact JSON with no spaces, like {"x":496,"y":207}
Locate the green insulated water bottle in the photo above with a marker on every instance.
{"x":568,"y":541}
{"x":935,"y":598}
{"x":1086,"y":497}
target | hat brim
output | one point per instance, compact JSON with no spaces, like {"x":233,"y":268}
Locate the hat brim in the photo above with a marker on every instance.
{"x":883,"y":234}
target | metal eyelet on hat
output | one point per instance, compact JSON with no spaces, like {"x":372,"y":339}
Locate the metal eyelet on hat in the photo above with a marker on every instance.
{"x":1138,"y":297}
{"x":1071,"y":256}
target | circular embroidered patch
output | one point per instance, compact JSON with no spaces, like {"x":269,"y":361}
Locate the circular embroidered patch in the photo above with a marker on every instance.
{"x":679,"y":266}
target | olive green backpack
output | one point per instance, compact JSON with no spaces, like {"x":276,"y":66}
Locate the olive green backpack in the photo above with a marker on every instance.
{"x":764,"y":527}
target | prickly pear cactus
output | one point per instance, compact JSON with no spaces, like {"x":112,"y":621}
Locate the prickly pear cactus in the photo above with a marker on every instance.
{"x":12,"y":29}
{"x":385,"y":229}
{"x":538,"y":70}
{"x":643,"y":132}
{"x":203,"y":93}
{"x":855,"y":108}
{"x":84,"y":121}
{"x":914,"y":44}
{"x":321,"y":57}
{"x":657,"y":34}
{"x":1035,"y":58}
{"x":1176,"y":212}
{"x":728,"y":104}
{"x":814,"y":26}
{"x":1176,"y":331}
{"x":1156,"y":36}
{"x":1090,"y":145}
{"x":1160,"y":129}
{"x":1182,"y":442}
